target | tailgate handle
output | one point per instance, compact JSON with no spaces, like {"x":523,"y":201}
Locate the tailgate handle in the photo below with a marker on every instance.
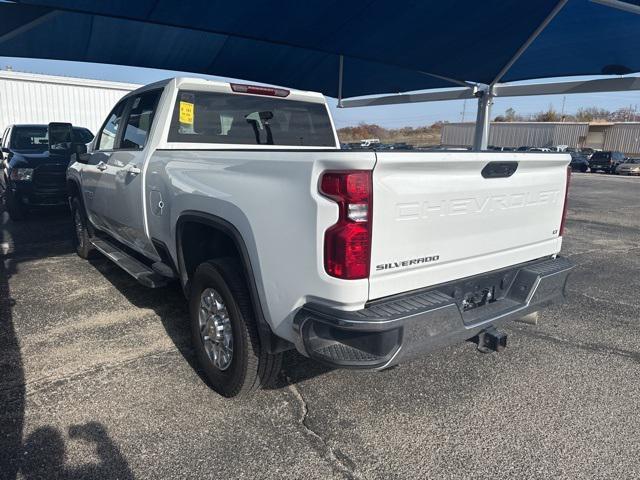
{"x":499,"y":169}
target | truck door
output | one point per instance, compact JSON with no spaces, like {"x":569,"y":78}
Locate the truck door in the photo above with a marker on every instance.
{"x":103,"y":147}
{"x":119,"y":192}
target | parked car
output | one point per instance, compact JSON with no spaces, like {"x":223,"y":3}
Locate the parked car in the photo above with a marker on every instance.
{"x":579,"y":162}
{"x":33,"y":170}
{"x":281,"y":240}
{"x":588,"y":152}
{"x":606,"y":161}
{"x":631,"y":166}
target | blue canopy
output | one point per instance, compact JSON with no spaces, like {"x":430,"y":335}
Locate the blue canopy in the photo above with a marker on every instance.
{"x":387,"y":46}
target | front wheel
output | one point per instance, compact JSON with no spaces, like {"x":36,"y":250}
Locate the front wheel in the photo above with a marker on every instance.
{"x":15,"y":209}
{"x":81,"y":236}
{"x":224,"y":331}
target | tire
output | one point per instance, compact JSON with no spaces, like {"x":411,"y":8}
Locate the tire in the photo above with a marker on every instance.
{"x":80,"y":234}
{"x":583,"y":169}
{"x":15,"y":209}
{"x":250,"y":366}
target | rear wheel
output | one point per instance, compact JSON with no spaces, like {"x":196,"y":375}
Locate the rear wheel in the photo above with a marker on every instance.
{"x":15,"y":209}
{"x":224,"y":331}
{"x":81,"y":236}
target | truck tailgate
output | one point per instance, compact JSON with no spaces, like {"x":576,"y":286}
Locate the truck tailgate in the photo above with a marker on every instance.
{"x":437,"y":218}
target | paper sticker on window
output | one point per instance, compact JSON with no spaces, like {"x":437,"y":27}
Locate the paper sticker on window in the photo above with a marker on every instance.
{"x":186,"y":112}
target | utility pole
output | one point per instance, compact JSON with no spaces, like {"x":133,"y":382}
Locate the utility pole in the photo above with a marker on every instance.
{"x":464,"y":109}
{"x":564,"y":99}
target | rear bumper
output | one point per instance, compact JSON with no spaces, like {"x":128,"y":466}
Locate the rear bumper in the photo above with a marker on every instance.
{"x":405,"y":326}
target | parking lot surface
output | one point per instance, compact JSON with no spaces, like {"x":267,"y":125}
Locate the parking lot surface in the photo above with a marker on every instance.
{"x":98,"y":380}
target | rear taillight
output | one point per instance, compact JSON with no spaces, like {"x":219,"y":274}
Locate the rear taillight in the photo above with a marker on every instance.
{"x":566,"y":201}
{"x":347,"y":244}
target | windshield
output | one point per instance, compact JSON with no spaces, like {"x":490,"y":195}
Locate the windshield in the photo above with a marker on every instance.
{"x":30,"y":138}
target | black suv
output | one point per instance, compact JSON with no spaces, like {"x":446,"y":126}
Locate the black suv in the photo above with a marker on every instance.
{"x":33,"y":173}
{"x":606,"y":161}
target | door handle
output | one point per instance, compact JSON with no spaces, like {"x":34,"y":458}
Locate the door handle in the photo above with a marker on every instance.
{"x":132,"y":169}
{"x":101,"y":166}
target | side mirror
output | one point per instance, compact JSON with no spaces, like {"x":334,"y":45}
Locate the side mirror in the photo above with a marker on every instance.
{"x":81,"y":153}
{"x":60,"y":137}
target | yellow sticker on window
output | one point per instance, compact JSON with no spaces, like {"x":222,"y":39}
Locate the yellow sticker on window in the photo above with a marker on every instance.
{"x":186,"y":112}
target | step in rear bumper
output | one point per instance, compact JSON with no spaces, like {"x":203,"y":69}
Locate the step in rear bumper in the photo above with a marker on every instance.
{"x":401,"y":327}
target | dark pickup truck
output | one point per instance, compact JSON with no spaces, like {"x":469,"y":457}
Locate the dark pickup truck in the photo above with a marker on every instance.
{"x":32,"y":170}
{"x":606,"y":161}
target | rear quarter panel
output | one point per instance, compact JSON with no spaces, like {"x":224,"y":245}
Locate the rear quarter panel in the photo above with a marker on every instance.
{"x":271,"y":197}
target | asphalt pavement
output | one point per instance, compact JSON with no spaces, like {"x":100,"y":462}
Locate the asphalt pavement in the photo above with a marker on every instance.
{"x":98,"y":379}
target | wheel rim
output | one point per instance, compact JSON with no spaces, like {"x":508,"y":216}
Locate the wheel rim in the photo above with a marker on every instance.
{"x":215,"y":329}
{"x":77,"y":220}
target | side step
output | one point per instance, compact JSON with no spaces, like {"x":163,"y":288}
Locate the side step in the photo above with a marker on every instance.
{"x":138,"y":270}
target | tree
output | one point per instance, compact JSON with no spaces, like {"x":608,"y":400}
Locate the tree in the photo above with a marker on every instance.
{"x":590,"y":114}
{"x":550,"y":115}
{"x":510,"y":115}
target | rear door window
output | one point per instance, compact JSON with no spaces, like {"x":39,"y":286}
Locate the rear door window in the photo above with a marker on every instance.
{"x":139,"y":119}
{"x":212,"y":117}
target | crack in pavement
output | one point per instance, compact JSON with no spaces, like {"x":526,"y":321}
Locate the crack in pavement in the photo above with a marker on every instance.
{"x":601,"y":300}
{"x":337,"y":463}
{"x":589,"y":347}
{"x":41,"y":384}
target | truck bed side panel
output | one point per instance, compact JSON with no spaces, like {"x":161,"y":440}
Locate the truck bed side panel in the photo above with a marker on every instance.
{"x":271,"y":197}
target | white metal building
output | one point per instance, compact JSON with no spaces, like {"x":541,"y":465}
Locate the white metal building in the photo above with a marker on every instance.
{"x":623,"y":137}
{"x":36,"y":98}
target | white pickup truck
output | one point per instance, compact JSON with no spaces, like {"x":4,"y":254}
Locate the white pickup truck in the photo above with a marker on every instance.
{"x":280,"y":240}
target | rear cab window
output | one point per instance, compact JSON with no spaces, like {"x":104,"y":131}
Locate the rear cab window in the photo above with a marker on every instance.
{"x":30,"y":138}
{"x":241,"y":119}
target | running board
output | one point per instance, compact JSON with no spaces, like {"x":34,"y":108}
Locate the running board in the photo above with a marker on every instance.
{"x":138,"y":270}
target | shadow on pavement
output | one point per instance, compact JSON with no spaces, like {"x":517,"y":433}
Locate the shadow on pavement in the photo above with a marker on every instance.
{"x":42,"y":455}
{"x":171,"y":307}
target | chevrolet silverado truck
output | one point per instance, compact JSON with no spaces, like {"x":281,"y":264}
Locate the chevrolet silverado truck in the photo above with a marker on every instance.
{"x":280,"y":240}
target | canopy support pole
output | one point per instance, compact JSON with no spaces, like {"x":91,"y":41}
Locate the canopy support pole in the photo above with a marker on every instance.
{"x":340,"y":72}
{"x":483,"y":119}
{"x":523,"y":48}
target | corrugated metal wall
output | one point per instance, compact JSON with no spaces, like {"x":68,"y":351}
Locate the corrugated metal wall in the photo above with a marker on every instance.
{"x":33,"y":98}
{"x":623,"y":137}
{"x":516,"y":134}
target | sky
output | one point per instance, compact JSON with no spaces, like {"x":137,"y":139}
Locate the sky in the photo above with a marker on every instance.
{"x":391,"y":116}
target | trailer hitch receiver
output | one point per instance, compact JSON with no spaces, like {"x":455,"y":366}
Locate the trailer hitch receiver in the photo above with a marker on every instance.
{"x":491,"y":340}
